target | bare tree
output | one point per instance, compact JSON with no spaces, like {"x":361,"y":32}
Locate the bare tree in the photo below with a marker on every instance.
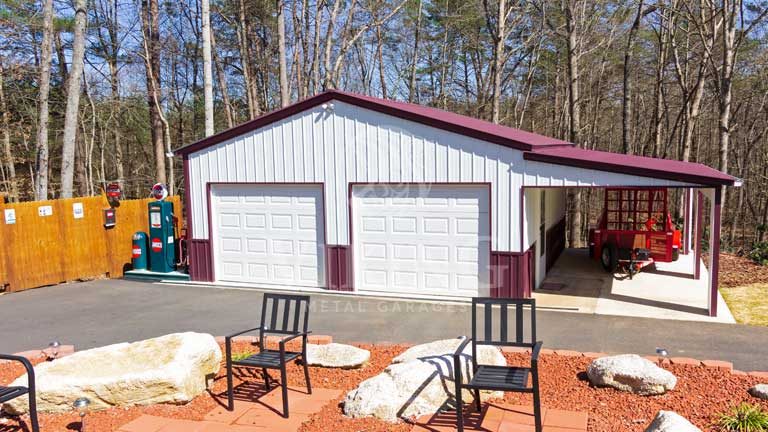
{"x":8,"y":161}
{"x":150,"y":25}
{"x":73,"y":100}
{"x":285,"y":97}
{"x":41,"y":148}
{"x":207,"y":67}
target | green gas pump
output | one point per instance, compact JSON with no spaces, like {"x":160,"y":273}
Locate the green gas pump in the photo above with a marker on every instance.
{"x":162,"y":247}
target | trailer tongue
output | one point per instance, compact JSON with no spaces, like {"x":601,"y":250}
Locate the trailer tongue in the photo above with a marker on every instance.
{"x":634,"y":230}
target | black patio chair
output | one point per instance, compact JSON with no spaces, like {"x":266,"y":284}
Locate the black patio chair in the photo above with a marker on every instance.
{"x":283,"y":315}
{"x":9,"y":393}
{"x":499,"y":378}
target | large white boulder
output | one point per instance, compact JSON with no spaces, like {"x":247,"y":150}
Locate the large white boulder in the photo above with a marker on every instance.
{"x":670,"y":421}
{"x":170,"y":369}
{"x":631,"y":373}
{"x":418,"y":382}
{"x":336,"y":355}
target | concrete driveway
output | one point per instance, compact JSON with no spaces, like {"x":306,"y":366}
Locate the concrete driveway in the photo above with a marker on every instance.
{"x":101,"y":312}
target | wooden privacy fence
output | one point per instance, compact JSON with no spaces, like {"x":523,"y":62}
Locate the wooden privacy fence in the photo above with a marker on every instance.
{"x":49,"y":242}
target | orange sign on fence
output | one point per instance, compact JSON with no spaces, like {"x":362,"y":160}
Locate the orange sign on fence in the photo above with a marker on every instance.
{"x":49,"y":242}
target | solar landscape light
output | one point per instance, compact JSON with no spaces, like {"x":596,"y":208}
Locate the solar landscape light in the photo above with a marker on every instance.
{"x":81,"y":405}
{"x":662,"y":354}
{"x":53,"y":349}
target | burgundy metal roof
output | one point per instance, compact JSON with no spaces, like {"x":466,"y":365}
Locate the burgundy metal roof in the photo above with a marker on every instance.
{"x":535,"y":147}
{"x":628,"y":164}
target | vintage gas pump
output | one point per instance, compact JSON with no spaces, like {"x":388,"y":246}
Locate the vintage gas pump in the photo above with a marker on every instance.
{"x":162,"y":244}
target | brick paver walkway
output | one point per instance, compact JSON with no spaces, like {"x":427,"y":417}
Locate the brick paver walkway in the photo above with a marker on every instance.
{"x":500,"y":417}
{"x":264,"y":415}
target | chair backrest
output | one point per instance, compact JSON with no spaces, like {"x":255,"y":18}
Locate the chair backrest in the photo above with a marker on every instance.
{"x":500,"y":334}
{"x":284,"y":314}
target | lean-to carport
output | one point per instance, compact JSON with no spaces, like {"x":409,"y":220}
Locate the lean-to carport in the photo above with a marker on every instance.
{"x":556,"y":169}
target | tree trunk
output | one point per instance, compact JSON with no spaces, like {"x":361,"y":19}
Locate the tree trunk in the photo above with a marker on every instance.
{"x":242,"y":38}
{"x":498,"y":60}
{"x":626,"y":127}
{"x":574,"y":235}
{"x":731,"y":8}
{"x":285,"y":96}
{"x":207,"y":68}
{"x":221,"y":77}
{"x":10,"y":167}
{"x":415,"y":57}
{"x":151,"y":28}
{"x":73,"y":101}
{"x":41,"y":148}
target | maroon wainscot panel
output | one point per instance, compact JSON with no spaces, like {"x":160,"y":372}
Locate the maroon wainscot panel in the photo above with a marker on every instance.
{"x":339,"y":267}
{"x":512,"y":273}
{"x":200,"y":264}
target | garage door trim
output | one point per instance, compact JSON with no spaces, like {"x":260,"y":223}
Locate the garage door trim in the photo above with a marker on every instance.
{"x":209,"y":200}
{"x":351,"y":218}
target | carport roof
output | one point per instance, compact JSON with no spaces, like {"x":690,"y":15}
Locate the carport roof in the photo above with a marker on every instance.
{"x":535,"y":147}
{"x":667,"y":169}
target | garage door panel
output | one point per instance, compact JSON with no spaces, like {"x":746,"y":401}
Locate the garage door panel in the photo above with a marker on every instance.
{"x":422,"y":239}
{"x":269,"y":234}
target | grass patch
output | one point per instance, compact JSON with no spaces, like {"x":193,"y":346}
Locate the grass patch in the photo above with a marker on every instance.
{"x":748,"y":303}
{"x":238,"y":356}
{"x":745,"y":418}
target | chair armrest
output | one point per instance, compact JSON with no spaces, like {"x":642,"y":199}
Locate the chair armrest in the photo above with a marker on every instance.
{"x":27,"y":365}
{"x":461,"y":347}
{"x":457,"y":361}
{"x":535,"y":352}
{"x":290,"y":338}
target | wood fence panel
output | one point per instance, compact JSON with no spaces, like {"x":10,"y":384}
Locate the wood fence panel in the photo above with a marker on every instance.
{"x":45,"y":250}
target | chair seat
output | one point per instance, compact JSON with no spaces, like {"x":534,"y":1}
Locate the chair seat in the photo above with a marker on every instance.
{"x":8,"y":393}
{"x":504,"y":378}
{"x":267,"y":359}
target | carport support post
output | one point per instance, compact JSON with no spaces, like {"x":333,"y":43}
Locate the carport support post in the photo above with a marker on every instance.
{"x":699,"y":234}
{"x":714,"y":250}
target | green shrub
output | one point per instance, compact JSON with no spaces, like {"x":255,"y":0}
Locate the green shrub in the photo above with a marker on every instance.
{"x":745,"y":418}
{"x":759,"y":253}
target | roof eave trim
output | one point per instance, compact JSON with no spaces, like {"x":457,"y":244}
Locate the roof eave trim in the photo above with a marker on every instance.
{"x":643,"y":172}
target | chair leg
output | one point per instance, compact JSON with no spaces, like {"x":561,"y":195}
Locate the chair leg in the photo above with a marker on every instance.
{"x":477,"y":400}
{"x":459,"y":409}
{"x":33,"y":413}
{"x":306,"y":375}
{"x":230,"y":390}
{"x":266,"y":379}
{"x":284,"y":383}
{"x":537,"y":407}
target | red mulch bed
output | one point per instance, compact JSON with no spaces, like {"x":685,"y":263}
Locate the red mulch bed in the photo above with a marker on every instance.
{"x":737,"y":270}
{"x":701,"y":395}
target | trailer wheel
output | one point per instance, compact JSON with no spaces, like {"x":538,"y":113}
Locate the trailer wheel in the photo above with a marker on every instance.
{"x":609,"y":257}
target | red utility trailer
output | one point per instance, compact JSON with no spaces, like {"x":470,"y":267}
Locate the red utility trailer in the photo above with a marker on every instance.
{"x":635,"y":230}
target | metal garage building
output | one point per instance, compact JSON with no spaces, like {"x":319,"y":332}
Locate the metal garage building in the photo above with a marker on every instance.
{"x":353,"y":193}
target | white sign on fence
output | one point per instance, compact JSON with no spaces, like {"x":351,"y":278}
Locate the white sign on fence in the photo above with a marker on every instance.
{"x":10,"y":216}
{"x":45,"y":210}
{"x":77,"y":210}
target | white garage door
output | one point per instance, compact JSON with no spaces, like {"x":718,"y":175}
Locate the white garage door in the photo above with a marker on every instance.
{"x":421,"y":239}
{"x":269,"y":234}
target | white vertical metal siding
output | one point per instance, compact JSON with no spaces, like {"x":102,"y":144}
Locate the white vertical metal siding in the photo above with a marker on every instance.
{"x":353,"y":145}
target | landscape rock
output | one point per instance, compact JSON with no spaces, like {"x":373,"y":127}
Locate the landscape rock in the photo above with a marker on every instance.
{"x":169,"y":369}
{"x":418,"y":382}
{"x":631,"y":373}
{"x":336,"y":355}
{"x":759,"y":391}
{"x":670,"y":421}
